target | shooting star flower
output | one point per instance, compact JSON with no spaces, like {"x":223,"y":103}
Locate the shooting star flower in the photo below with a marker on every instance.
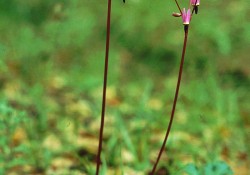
{"x":186,"y":16}
{"x":195,"y":4}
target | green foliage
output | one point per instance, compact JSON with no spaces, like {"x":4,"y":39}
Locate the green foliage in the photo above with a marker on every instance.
{"x":16,"y":126}
{"x":10,"y":121}
{"x":212,"y":168}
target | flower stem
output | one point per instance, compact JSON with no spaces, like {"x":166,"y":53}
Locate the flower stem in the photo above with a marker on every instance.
{"x":178,"y":6}
{"x":175,"y":100}
{"x":98,"y":160}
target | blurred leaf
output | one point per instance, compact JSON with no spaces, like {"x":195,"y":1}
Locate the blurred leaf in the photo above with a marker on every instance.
{"x":217,"y":168}
{"x":191,"y":169}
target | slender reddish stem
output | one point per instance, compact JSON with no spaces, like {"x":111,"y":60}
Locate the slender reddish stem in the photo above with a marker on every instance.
{"x":98,"y":160}
{"x":178,"y":6}
{"x":175,"y":100}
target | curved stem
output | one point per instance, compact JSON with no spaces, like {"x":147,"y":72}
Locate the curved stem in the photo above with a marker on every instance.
{"x":175,"y":100}
{"x":98,"y":160}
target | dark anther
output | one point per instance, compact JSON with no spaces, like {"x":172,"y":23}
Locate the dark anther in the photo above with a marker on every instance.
{"x":196,"y":9}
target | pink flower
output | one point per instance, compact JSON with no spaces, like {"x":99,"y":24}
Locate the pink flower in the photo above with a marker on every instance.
{"x":195,"y":2}
{"x":186,"y":16}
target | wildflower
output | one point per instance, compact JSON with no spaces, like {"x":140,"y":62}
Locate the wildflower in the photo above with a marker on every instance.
{"x":186,"y":16}
{"x":195,"y":4}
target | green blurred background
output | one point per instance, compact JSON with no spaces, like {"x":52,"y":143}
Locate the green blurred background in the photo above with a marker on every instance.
{"x":51,"y":70}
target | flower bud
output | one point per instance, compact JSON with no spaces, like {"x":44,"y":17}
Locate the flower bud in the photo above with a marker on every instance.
{"x":176,"y":14}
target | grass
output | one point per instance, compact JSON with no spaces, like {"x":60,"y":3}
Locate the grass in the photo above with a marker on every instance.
{"x":64,"y":135}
